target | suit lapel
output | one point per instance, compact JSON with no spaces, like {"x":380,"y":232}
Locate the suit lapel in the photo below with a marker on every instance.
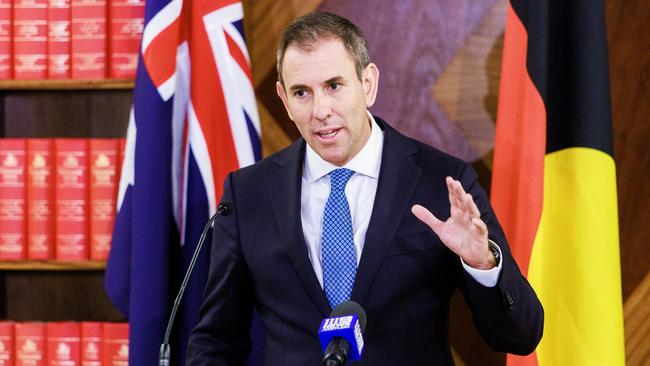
{"x":398,"y":178}
{"x":283,"y":186}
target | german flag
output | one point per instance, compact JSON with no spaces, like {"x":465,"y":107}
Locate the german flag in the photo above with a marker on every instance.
{"x":554,"y":177}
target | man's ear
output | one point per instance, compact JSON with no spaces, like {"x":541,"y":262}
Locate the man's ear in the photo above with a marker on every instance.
{"x":370,"y":80}
{"x":279,"y":88}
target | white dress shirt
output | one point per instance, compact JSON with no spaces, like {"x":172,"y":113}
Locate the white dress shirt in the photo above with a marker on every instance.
{"x":360,"y":192}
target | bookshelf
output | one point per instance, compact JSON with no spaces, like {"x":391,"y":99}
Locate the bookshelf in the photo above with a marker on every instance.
{"x":99,"y":84}
{"x":52,"y":265}
{"x":60,"y":290}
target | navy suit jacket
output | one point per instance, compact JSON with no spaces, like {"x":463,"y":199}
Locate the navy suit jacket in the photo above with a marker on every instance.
{"x":405,"y":278}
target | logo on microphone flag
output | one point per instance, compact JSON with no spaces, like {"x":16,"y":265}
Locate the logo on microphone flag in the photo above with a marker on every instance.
{"x":194,"y":119}
{"x":347,"y":327}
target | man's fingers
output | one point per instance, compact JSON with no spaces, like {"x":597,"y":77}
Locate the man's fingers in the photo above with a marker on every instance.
{"x":462,"y":203}
{"x":479,"y":226}
{"x":470,"y":206}
{"x":427,"y":217}
{"x":455,"y":200}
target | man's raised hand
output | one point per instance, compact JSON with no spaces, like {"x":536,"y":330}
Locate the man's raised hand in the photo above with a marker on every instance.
{"x":464,"y":232}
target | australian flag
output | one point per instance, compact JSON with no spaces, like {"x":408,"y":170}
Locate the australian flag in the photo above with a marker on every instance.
{"x":194,"y":120}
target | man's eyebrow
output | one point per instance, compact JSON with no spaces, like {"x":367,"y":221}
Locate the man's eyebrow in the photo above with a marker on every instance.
{"x":336,"y":79}
{"x":298,"y":87}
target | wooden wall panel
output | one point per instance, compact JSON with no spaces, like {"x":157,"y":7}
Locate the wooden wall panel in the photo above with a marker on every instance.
{"x":629,"y":42}
{"x":56,"y":296}
{"x":637,"y":325}
{"x":66,"y":113}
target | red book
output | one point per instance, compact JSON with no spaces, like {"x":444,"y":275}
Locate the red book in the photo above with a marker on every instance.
{"x":5,"y":39}
{"x":58,"y":44}
{"x":12,"y":199}
{"x":71,"y":196}
{"x":126,"y":25}
{"x":91,"y":344}
{"x":103,"y":193}
{"x":30,"y":39}
{"x":30,"y":344}
{"x":116,"y":344}
{"x":88,"y":39}
{"x":40,"y":198}
{"x":7,"y":343}
{"x":63,"y":344}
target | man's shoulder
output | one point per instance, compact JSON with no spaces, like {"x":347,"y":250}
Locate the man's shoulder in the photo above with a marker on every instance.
{"x":421,"y":154}
{"x":279,"y":158}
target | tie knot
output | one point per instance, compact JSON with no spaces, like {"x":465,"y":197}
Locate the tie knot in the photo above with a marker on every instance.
{"x":339,"y":178}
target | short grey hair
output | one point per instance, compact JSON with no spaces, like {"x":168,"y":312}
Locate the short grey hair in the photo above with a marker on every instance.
{"x":314,"y":26}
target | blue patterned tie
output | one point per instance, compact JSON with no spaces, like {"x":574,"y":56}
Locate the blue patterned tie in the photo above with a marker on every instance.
{"x":339,"y":258}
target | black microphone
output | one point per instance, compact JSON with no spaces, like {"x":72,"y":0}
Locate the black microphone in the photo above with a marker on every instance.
{"x":163,"y":358}
{"x":342,"y":333}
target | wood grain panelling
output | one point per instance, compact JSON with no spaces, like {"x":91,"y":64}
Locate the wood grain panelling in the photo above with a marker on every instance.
{"x":57,"y":296}
{"x":629,"y":42}
{"x":637,"y":325}
{"x":66,"y":114}
{"x":274,"y":136}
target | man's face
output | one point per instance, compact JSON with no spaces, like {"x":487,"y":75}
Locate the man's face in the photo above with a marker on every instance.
{"x":326,"y":100}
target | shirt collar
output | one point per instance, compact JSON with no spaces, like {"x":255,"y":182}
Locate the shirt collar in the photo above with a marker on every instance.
{"x":366,"y":162}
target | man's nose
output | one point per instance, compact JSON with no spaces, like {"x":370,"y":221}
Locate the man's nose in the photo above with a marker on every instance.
{"x":322,"y":106}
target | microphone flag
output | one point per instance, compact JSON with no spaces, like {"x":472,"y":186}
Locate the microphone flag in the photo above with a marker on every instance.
{"x":347,"y":327}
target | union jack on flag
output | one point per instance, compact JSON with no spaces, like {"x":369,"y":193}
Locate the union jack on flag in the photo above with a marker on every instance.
{"x":193,"y":120}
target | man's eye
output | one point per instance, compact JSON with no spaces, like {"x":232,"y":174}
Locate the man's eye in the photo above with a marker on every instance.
{"x":299,"y":93}
{"x":335,"y":86}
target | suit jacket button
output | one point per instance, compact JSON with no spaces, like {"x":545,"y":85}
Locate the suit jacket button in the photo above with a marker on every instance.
{"x":509,"y":300}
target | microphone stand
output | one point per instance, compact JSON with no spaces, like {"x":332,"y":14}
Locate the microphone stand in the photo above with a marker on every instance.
{"x":165,"y":351}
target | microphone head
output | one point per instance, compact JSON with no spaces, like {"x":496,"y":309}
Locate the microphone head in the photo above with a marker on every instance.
{"x":341,"y":334}
{"x":223,"y":208}
{"x":350,"y":308}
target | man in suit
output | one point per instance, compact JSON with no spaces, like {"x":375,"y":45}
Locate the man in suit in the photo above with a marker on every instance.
{"x":355,"y":210}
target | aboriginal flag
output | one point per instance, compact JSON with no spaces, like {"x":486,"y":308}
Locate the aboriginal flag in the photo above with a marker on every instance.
{"x":554,"y":177}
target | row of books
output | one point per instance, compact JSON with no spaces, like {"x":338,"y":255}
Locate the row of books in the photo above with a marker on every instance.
{"x":64,"y":343}
{"x":58,"y":197}
{"x":63,"y":39}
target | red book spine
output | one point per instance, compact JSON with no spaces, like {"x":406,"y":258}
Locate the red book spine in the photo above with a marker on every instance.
{"x":5,"y":39}
{"x":126,"y":25}
{"x":71,"y":199}
{"x":91,"y":344}
{"x":30,"y":344}
{"x":30,"y":39}
{"x":103,"y":193}
{"x":88,"y":39}
{"x":40,"y":198}
{"x":63,"y":344}
{"x":12,"y":199}
{"x":58,"y":55}
{"x":7,"y":343}
{"x":116,"y":344}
